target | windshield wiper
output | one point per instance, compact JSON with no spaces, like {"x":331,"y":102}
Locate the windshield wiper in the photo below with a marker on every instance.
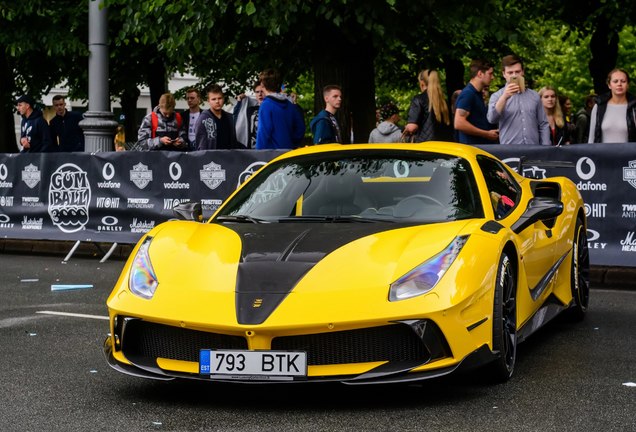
{"x":333,"y":218}
{"x":238,"y":218}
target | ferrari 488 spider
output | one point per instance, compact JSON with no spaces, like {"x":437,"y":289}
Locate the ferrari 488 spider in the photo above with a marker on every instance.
{"x":359,"y":264}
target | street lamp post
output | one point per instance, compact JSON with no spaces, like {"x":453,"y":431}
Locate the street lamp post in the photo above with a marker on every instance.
{"x":99,"y":125}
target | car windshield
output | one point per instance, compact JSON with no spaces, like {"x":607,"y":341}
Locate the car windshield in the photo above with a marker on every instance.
{"x":366,"y":186}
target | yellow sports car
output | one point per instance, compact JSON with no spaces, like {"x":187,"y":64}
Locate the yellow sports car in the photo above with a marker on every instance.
{"x":360,"y":264}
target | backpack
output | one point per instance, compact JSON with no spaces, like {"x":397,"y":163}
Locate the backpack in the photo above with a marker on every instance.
{"x":154,"y":121}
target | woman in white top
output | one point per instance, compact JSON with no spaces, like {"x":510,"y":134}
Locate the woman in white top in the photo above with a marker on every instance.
{"x":613,"y":118}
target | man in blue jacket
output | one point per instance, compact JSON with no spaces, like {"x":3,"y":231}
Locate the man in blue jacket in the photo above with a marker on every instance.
{"x":35,"y":136}
{"x":324,"y":126}
{"x":280,"y":122}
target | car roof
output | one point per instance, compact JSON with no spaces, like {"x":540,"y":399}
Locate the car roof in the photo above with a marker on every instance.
{"x":453,"y":149}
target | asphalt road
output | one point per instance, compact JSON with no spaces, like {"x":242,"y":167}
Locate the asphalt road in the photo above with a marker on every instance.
{"x":53,"y":376}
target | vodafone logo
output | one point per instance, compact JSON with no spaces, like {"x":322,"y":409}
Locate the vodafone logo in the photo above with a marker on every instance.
{"x":108,"y":172}
{"x":585,"y":168}
{"x":175,"y":171}
{"x":4,"y":173}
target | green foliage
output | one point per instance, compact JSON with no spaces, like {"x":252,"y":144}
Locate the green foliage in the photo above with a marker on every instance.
{"x":230,"y":41}
{"x":627,"y":52}
{"x":42,"y":43}
{"x":558,"y":57}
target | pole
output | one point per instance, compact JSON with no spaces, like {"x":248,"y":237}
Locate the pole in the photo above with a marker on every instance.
{"x":99,"y":125}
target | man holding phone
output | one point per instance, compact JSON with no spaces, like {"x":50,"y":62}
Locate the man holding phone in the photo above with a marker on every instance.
{"x":162,"y":129}
{"x":518,"y":110}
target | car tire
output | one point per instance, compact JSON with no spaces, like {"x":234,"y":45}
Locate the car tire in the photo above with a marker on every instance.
{"x":504,"y":326}
{"x":580,"y":273}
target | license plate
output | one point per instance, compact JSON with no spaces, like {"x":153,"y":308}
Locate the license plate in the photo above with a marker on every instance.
{"x":231,"y":364}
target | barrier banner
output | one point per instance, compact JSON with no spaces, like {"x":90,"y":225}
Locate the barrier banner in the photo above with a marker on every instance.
{"x":605,"y":174}
{"x":113,"y":196}
{"x":119,"y":196}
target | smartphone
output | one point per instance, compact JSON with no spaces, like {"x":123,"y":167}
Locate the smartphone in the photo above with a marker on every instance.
{"x":520,"y":81}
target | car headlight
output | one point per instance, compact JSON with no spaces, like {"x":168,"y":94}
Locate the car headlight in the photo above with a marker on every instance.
{"x":424,"y":277}
{"x":143,"y":281}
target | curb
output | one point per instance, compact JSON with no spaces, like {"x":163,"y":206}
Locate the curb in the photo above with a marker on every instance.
{"x":62,"y":248}
{"x":614,"y":277}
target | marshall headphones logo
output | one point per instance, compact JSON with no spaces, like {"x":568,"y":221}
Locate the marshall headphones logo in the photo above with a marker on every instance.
{"x":629,"y":173}
{"x":629,"y":244}
{"x":141,"y":226}
{"x":4,"y":173}
{"x":31,"y":175}
{"x":32,"y":223}
{"x":69,"y":198}
{"x":212,"y":175}
{"x":249,"y":172}
{"x":140,"y":175}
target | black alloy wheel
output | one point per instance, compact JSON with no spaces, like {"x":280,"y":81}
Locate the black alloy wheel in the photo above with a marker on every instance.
{"x":505,"y":320}
{"x":580,"y":277}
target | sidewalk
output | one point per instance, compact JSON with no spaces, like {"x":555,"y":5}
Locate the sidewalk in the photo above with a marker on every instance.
{"x":615,"y":277}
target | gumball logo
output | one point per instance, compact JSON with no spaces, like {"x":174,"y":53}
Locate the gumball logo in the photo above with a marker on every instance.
{"x":69,"y":198}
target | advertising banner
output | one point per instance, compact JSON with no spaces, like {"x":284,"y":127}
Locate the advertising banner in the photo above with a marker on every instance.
{"x":119,"y":196}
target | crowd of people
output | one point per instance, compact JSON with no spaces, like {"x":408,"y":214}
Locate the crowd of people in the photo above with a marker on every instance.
{"x":271,"y":119}
{"x":517,"y":115}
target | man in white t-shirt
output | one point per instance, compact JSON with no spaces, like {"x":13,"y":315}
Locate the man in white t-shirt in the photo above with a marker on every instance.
{"x":190,"y":116}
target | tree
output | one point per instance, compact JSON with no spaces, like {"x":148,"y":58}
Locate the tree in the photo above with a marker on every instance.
{"x":340,"y":41}
{"x":35,"y":61}
{"x":603,"y":20}
{"x":363,"y":45}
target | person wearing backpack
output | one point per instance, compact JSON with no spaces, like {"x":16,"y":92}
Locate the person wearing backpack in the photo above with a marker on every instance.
{"x":163,"y":129}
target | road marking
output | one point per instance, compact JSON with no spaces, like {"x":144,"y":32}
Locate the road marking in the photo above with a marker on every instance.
{"x":76,"y":315}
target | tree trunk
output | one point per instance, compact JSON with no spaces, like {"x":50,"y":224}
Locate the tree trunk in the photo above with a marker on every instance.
{"x":156,"y":77}
{"x":349,"y":64}
{"x":8,"y":143}
{"x":129,"y":108}
{"x":604,"y":50}
{"x":454,"y":76}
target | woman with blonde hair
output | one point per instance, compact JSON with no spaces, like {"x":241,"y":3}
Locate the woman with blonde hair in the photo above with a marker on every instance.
{"x":428,"y":117}
{"x":559,"y":133}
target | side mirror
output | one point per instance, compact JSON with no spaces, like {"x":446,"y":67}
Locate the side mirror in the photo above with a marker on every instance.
{"x":539,"y":209}
{"x":189,"y":211}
